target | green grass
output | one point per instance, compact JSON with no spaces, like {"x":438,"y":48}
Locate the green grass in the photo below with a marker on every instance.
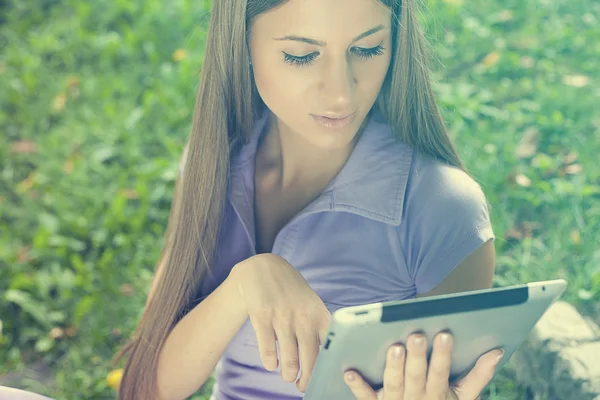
{"x":95,"y":106}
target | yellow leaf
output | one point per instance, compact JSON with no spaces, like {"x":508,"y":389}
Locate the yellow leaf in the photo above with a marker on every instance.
{"x":491,"y":59}
{"x":575,"y":80}
{"x":26,"y":184}
{"x":58,"y":104}
{"x":113,"y":379}
{"x":522,"y":180}
{"x":575,"y":237}
{"x":179,"y":55}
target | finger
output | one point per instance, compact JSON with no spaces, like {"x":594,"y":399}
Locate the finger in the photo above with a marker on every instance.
{"x":288,"y":352}
{"x":324,"y":325}
{"x":416,"y":366}
{"x":308,"y":344}
{"x":265,"y":337}
{"x":438,"y":373}
{"x":393,"y":374}
{"x":360,"y":388}
{"x":482,"y":373}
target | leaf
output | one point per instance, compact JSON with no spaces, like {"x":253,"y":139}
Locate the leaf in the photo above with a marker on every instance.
{"x":82,"y":308}
{"x":179,"y":55}
{"x":491,"y":59}
{"x":23,"y":147}
{"x":571,"y":157}
{"x":575,"y":237}
{"x":528,"y":144}
{"x":585,"y":294}
{"x":58,"y":104}
{"x":576,"y":80}
{"x":573,"y":169}
{"x":27,"y":183}
{"x":522,"y":180}
{"x":28,"y":305}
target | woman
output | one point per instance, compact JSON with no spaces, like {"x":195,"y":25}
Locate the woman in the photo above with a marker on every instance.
{"x":282,"y":215}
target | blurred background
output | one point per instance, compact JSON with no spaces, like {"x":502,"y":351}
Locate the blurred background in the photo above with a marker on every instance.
{"x":96,"y":101}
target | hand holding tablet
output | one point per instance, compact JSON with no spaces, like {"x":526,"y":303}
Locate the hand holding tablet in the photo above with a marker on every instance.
{"x":359,"y":339}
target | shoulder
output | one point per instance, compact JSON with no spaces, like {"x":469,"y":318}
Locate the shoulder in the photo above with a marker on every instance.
{"x":435,"y":187}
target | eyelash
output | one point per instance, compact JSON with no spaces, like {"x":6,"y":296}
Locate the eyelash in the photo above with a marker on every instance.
{"x":308,"y":59}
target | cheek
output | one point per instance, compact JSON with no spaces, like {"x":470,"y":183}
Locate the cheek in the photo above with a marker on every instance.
{"x":278,"y":86}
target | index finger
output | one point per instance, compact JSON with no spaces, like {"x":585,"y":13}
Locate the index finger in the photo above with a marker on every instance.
{"x":265,"y":337}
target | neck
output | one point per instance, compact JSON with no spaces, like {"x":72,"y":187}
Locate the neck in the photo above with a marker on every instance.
{"x":292,"y":161}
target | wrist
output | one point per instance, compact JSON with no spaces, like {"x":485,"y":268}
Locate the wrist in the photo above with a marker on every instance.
{"x":234,"y":287}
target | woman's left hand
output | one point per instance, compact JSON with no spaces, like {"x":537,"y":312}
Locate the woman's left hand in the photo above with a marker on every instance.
{"x":408,"y":377}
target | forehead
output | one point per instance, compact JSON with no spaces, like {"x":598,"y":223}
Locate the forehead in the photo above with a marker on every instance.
{"x":329,"y":20}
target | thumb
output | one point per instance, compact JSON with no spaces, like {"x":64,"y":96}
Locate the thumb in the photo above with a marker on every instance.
{"x":477,"y":379}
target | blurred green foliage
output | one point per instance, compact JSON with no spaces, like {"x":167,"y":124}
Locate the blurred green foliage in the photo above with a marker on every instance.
{"x":96,"y":102}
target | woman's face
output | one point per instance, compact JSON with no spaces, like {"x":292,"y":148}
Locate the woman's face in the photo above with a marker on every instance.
{"x":335,"y":74}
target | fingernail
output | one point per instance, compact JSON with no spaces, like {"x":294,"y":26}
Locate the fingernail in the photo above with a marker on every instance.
{"x":350,"y":376}
{"x":499,"y":355}
{"x":445,"y":339}
{"x":398,"y":350}
{"x":418,"y":340}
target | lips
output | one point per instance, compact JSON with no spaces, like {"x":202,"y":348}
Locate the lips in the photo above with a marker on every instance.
{"x":334,"y":116}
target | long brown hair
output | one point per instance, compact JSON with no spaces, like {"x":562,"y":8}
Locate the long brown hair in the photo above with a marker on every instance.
{"x":227,"y":104}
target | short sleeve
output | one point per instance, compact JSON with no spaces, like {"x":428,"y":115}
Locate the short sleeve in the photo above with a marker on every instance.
{"x":446,"y":218}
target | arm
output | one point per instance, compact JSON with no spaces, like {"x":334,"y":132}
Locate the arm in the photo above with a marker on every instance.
{"x":197,"y":342}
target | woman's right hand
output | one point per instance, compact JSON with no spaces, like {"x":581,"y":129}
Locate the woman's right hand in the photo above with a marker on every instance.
{"x":283,"y":308}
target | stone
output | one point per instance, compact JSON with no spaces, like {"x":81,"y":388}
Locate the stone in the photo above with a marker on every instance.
{"x":561,"y":357}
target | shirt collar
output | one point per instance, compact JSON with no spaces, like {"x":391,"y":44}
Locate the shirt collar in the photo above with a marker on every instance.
{"x":371,"y":184}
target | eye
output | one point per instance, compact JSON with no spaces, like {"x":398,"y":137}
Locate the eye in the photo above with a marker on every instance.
{"x":308,"y":59}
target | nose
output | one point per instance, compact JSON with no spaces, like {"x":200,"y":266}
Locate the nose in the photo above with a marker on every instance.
{"x":338,"y":86}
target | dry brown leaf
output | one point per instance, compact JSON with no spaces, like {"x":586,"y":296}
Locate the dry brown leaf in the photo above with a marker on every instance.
{"x":126,"y":289}
{"x":571,"y":157}
{"x":522,"y":180}
{"x":528,"y":145}
{"x":576,"y":80}
{"x":56,"y":333}
{"x":573,"y":169}
{"x":69,"y":166}
{"x":73,"y":82}
{"x":130,"y":194}
{"x":513,"y":234}
{"x":23,"y":254}
{"x":71,"y":331}
{"x":23,"y":146}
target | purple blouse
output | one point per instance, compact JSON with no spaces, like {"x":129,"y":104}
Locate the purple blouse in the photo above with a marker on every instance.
{"x":392,"y":224}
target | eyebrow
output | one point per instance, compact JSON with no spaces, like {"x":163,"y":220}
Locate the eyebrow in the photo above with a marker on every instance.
{"x":320,"y":43}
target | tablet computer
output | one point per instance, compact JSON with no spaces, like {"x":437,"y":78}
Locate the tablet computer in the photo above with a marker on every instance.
{"x":481,"y":320}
